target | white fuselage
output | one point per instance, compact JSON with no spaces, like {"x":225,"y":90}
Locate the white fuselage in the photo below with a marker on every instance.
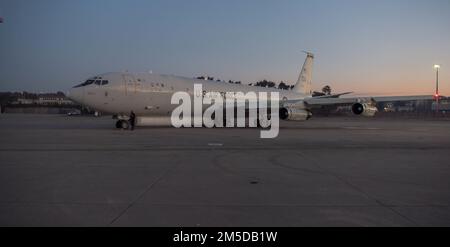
{"x":149,"y":95}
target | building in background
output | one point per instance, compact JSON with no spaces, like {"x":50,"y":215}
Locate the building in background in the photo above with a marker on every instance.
{"x":44,"y":99}
{"x":46,"y":103}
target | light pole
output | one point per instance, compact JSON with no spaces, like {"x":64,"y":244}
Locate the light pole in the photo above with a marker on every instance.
{"x":437,"y":67}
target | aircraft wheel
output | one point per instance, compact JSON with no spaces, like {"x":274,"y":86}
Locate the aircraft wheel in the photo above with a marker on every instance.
{"x":267,"y":123}
{"x":123,"y":124}
{"x":118,"y":125}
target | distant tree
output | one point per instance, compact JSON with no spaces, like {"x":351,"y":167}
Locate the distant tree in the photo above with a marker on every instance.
{"x":6,"y":98}
{"x":265,"y":83}
{"x":283,"y":86}
{"x":237,"y":82}
{"x":326,"y":90}
{"x":262,"y":83}
{"x":209,"y":78}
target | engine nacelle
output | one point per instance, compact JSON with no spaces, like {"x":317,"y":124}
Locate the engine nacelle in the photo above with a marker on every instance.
{"x":364,"y":109}
{"x":293,"y":114}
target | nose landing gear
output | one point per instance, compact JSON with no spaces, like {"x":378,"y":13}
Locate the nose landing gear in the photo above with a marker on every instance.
{"x":122,"y":124}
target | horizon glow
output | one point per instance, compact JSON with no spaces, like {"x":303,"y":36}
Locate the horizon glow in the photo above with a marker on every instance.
{"x":368,"y":47}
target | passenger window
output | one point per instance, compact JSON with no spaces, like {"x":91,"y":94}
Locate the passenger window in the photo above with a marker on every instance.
{"x":98,"y":82}
{"x":104,"y":82}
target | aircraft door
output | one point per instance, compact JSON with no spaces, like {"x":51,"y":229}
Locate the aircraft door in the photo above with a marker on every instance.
{"x":139,"y":85}
{"x":129,"y":83}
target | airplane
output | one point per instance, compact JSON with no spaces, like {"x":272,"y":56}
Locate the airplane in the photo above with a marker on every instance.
{"x":149,"y":95}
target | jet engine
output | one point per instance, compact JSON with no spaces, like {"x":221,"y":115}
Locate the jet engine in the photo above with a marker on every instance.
{"x":366,"y":110}
{"x":293,"y":114}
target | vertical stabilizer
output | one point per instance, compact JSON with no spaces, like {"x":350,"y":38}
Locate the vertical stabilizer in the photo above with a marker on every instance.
{"x":303,"y":85}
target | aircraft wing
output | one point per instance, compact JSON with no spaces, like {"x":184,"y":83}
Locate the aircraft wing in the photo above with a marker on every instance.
{"x":365,"y":106}
{"x":332,"y":95}
{"x":313,"y":101}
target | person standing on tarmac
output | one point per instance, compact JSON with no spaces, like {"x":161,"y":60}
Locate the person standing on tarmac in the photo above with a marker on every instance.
{"x":132,"y":120}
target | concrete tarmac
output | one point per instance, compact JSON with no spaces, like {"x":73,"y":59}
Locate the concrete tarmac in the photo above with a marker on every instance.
{"x":79,"y":171}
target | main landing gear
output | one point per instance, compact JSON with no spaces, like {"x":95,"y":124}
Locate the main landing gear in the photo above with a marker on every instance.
{"x":122,"y":124}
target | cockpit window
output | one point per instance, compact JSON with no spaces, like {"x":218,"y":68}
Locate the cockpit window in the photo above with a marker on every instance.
{"x":95,"y":80}
{"x":88,"y":82}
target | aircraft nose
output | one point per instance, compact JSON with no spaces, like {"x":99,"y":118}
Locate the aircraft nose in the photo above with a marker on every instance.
{"x":76,"y":94}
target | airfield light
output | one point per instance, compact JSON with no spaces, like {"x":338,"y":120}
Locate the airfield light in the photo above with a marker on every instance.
{"x":437,"y":67}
